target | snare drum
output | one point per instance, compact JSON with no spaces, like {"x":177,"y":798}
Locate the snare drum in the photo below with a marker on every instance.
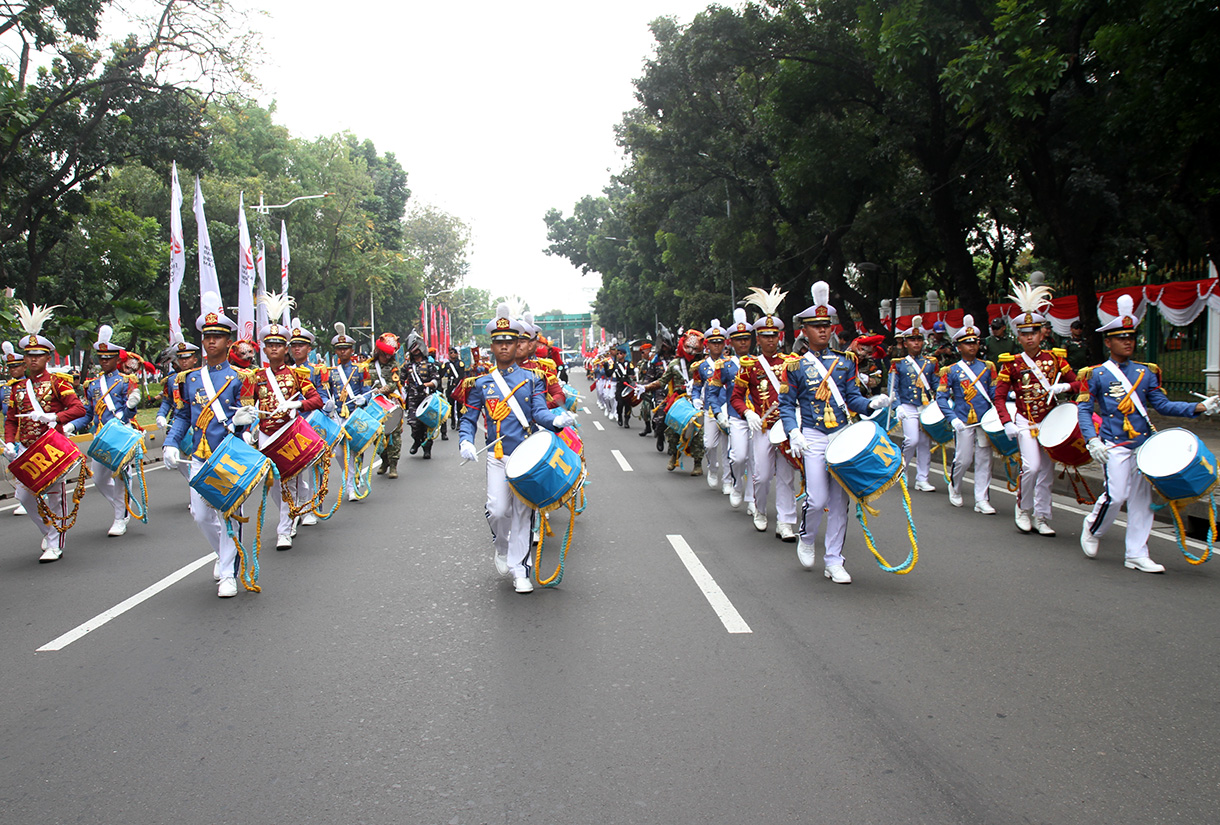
{"x":46,"y":461}
{"x":1177,"y":464}
{"x":295,"y":448}
{"x":116,"y":444}
{"x":328,"y":428}
{"x":362,"y":430}
{"x":680,"y":415}
{"x":864,"y":460}
{"x":433,"y":411}
{"x":544,"y":471}
{"x":231,"y":474}
{"x":932,"y":419}
{"x":389,"y":411}
{"x":1059,"y":434}
{"x":1003,"y":444}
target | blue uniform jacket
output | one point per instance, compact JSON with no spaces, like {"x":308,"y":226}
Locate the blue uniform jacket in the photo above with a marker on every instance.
{"x":485,"y":397}
{"x":1102,"y":393}
{"x":238,"y":388}
{"x":954,"y":379}
{"x":703,"y":389}
{"x":355,"y":383}
{"x":904,"y":378}
{"x":730,"y":365}
{"x":803,"y":382}
{"x":97,"y":413}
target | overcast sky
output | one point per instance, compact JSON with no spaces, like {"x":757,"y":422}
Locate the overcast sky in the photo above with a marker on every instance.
{"x":498,"y":111}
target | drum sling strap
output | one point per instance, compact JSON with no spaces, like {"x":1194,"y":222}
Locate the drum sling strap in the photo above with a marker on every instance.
{"x":923,"y":380}
{"x":1130,"y":402}
{"x":770,"y":373}
{"x":509,"y":402}
{"x":61,"y":522}
{"x":211,"y":409}
{"x":827,"y":389}
{"x":971,"y":389}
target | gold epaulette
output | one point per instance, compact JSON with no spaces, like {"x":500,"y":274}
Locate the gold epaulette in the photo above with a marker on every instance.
{"x":301,"y":371}
{"x":246,"y":374}
{"x":748,"y":361}
{"x":944,"y":371}
{"x":1083,"y":376}
{"x":62,"y":382}
{"x":848,"y":354}
{"x":1059,"y":352}
{"x":1005,"y":358}
{"x":990,"y":365}
{"x":1156,"y":370}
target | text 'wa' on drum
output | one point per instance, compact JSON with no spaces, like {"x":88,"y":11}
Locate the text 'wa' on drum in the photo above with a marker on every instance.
{"x":544,"y":471}
{"x":680,"y":415}
{"x":864,"y":460}
{"x":433,"y":410}
{"x":933,"y":420}
{"x":389,"y":411}
{"x":46,"y":461}
{"x":231,"y":474}
{"x":294,"y":448}
{"x":116,"y":444}
{"x":1178,"y":464}
{"x":328,"y":428}
{"x":1059,"y":434}
{"x":1003,"y":443}
{"x":362,"y":430}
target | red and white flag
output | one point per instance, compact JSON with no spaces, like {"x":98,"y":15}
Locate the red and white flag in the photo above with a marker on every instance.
{"x":177,"y":255}
{"x":284,"y":259}
{"x":245,"y":275}
{"x":209,"y":281}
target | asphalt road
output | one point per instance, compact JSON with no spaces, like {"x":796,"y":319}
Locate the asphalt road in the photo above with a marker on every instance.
{"x":385,"y":674}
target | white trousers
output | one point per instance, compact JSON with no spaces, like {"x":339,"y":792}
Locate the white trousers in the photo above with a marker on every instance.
{"x":770,"y":464}
{"x":1124,"y":484}
{"x":739,"y":454}
{"x":972,"y":447}
{"x":822,"y":492}
{"x":110,"y":487}
{"x":915,"y":441}
{"x":715,"y":445}
{"x":54,"y":496}
{"x":508,"y":517}
{"x":1037,"y":472}
{"x":300,"y":490}
{"x":210,"y":523}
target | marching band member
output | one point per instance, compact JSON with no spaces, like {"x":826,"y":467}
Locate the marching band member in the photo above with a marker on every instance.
{"x":280,"y":393}
{"x":911,"y":380}
{"x":1121,"y":391}
{"x":382,"y":372}
{"x":712,"y":400}
{"x":967,"y":385}
{"x":822,"y":387}
{"x":37,"y":402}
{"x":527,"y":358}
{"x":422,"y":379}
{"x":1037,"y":376}
{"x":186,"y":357}
{"x":213,"y":401}
{"x":347,"y":382}
{"x":14,"y":365}
{"x":677,"y":381}
{"x":110,"y":395}
{"x":756,"y":392}
{"x":741,"y":339}
{"x":315,"y":372}
{"x":512,"y":402}
{"x":452,"y":374}
{"x":622,"y":374}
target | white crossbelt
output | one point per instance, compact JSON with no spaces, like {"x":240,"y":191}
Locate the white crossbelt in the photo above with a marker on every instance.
{"x":1046,"y":385}
{"x":217,"y":407}
{"x":824,"y":373}
{"x":510,"y":399}
{"x":977,"y":378}
{"x":1126,"y":385}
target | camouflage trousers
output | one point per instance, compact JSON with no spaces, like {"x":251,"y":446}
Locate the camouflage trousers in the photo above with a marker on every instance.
{"x":393,"y":447}
{"x":694,"y":449}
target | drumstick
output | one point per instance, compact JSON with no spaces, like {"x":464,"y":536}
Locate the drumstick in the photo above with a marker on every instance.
{"x":464,"y":461}
{"x":1200,"y":395}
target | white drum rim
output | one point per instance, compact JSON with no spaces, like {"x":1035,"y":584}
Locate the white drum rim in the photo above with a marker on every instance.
{"x":529,"y":453}
{"x":851,"y":437}
{"x":1150,"y":462}
{"x":991,"y":417}
{"x":1053,"y":425}
{"x":940,"y":414}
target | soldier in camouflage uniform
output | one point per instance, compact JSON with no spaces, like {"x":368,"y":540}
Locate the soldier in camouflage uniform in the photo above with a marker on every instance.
{"x":382,"y":374}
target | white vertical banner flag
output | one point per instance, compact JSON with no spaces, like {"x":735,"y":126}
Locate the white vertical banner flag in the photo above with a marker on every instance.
{"x":209,"y":281}
{"x":260,"y":289}
{"x":177,"y":256}
{"x":245,"y":274}
{"x":284,"y":260}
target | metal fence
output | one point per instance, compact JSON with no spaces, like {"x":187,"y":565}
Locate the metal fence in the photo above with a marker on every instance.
{"x":1181,"y":353}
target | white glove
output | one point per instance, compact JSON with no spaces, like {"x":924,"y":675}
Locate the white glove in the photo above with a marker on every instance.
{"x":879,"y":402}
{"x":133,"y":399}
{"x":69,"y":429}
{"x":171,"y":456}
{"x":329,"y":406}
{"x":1211,"y":405}
{"x":290,"y":407}
{"x":1099,"y":451}
{"x":564,"y":419}
{"x":466,"y":451}
{"x":250,"y":438}
{"x":958,"y":425}
{"x":10,"y":451}
{"x":245,"y":416}
{"x":360,"y":400}
{"x":48,"y":418}
{"x":753,"y":421}
{"x":1010,"y":430}
{"x":161,"y":422}
{"x":1060,"y":387}
{"x":698,"y":402}
{"x":796,"y":440}
{"x":722,"y":418}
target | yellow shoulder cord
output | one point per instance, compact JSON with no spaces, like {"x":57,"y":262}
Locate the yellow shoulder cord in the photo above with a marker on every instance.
{"x":205,"y":417}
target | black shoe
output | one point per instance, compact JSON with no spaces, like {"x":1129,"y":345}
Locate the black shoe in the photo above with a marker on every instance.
{"x":427,"y":454}
{"x":444,"y":437}
{"x":414,"y":449}
{"x":645,"y":434}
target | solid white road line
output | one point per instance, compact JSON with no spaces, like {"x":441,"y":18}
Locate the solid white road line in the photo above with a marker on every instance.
{"x":586,"y":409}
{"x":125,"y":605}
{"x":715,"y":596}
{"x":622,"y":462}
{"x":88,"y":484}
{"x":599,"y":426}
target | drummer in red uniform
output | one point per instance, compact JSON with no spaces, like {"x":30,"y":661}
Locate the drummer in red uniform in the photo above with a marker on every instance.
{"x":42,"y":401}
{"x":1037,"y":377}
{"x":1121,"y":391}
{"x":280,"y":393}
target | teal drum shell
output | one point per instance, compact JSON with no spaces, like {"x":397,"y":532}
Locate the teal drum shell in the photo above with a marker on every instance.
{"x":1003,"y":444}
{"x":935,"y":424}
{"x":864,"y":460}
{"x":680,"y":415}
{"x":231,"y":474}
{"x":433,"y":411}
{"x":115,"y":445}
{"x":328,"y":428}
{"x":1178,"y":464}
{"x":544,"y":471}
{"x":362,"y":428}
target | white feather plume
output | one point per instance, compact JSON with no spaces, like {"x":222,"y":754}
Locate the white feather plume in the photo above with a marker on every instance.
{"x":503,"y":310}
{"x":768,"y":302}
{"x":715,"y":323}
{"x":276,"y":303}
{"x":296,"y":323}
{"x":9,"y":352}
{"x":104,"y":333}
{"x":1126,"y":306}
{"x":739,"y":316}
{"x":916,"y":323}
{"x":341,"y":328}
{"x":514,"y":306}
{"x":210,"y":302}
{"x":967,"y":320}
{"x":1030,"y":298}
{"x":32,"y":318}
{"x":821,"y":293}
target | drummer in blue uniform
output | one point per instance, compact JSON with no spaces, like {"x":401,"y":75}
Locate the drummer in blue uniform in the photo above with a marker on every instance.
{"x":214,"y":400}
{"x":111,"y":395}
{"x":741,"y":339}
{"x":186,"y":357}
{"x":711,"y":397}
{"x":512,"y":402}
{"x":1121,"y":391}
{"x":912,"y":382}
{"x":968,"y":386}
{"x":14,"y":366}
{"x":822,"y":388}
{"x":347,"y":383}
{"x":308,"y":368}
